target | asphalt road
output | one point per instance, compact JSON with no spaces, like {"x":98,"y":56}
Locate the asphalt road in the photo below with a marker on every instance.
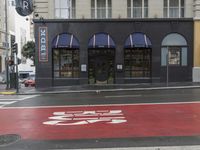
{"x":166,"y":108}
{"x":104,"y":98}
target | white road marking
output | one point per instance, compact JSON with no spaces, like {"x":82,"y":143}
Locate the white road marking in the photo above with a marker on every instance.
{"x":105,"y":105}
{"x":28,"y":97}
{"x":195,"y":147}
{"x":118,"y":96}
{"x":18,"y":99}
{"x":8,"y":101}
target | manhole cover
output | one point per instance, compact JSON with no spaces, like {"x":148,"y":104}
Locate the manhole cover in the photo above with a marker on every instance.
{"x":9,"y":139}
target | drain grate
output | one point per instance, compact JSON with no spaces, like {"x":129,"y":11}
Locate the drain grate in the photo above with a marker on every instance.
{"x":9,"y":139}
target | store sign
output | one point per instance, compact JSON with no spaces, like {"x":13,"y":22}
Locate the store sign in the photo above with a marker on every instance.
{"x":24,"y":7}
{"x":43,"y":44}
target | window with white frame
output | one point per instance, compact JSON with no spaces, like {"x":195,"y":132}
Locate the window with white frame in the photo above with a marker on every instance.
{"x":64,"y":9}
{"x":101,"y":9}
{"x":137,"y":8}
{"x":174,"y":50}
{"x":174,"y":8}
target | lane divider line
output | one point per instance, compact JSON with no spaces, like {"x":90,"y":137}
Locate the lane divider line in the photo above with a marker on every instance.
{"x":105,"y":105}
{"x":119,"y":96}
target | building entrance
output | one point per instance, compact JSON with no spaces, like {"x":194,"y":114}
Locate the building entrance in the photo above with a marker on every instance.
{"x":101,"y":66}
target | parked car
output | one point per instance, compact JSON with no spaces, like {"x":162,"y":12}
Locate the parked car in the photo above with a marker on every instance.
{"x":30,"y":81}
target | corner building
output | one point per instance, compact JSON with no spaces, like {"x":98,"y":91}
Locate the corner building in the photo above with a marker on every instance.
{"x":113,"y":41}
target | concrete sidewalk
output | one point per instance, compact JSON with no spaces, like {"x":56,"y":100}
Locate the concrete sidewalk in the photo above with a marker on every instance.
{"x":99,"y":88}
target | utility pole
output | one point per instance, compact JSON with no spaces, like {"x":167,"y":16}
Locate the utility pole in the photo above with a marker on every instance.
{"x":167,"y":68}
{"x":7,"y":46}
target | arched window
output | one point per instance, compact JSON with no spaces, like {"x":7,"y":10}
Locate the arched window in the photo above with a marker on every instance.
{"x":174,"y":48}
{"x":65,"y":56}
{"x":137,"y":56}
{"x":101,"y":56}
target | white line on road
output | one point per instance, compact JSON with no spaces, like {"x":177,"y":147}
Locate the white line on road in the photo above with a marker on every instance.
{"x":19,"y":99}
{"x":104,"y":105}
{"x":28,"y":97}
{"x":196,"y":147}
{"x":6,"y":103}
{"x":119,"y":96}
{"x":7,"y":99}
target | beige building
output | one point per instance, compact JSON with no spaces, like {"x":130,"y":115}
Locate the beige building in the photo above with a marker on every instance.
{"x":86,"y":9}
{"x":196,"y":70}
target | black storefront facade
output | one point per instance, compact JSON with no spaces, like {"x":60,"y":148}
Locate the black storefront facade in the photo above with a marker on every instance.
{"x":124,"y":51}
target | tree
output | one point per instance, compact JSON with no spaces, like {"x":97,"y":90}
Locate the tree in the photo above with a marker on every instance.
{"x":28,"y":50}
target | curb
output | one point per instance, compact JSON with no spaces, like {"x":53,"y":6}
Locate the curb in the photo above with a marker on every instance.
{"x":110,"y":90}
{"x":8,"y":93}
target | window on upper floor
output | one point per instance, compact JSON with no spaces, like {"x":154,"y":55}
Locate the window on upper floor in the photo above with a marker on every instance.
{"x":11,"y":2}
{"x":64,"y":9}
{"x":174,"y":8}
{"x":101,"y":9}
{"x":137,"y":8}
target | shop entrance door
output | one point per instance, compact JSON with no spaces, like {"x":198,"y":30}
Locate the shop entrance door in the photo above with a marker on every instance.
{"x":101,"y":66}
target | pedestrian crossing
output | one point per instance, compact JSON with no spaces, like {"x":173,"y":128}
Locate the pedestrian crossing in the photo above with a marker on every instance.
{"x":6,"y":100}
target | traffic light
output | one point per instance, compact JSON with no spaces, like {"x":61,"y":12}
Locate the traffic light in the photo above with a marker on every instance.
{"x":19,"y":61}
{"x":14,"y":48}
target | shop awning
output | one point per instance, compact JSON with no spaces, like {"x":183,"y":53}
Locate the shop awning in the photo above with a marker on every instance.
{"x":138,"y":40}
{"x":65,"y":41}
{"x":101,"y":40}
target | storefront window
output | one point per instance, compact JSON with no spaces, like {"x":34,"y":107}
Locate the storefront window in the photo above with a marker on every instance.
{"x":137,"y":62}
{"x":174,"y":48}
{"x":137,"y":8}
{"x":174,"y":55}
{"x":66,"y":63}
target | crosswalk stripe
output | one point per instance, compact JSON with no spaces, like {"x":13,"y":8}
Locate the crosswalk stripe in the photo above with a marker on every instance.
{"x":18,"y":99}
{"x":10,"y":99}
{"x":6,"y":103}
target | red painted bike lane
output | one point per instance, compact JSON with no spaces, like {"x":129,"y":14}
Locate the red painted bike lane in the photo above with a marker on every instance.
{"x":59,"y":123}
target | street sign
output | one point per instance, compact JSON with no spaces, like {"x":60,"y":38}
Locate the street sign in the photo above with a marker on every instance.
{"x":24,"y":7}
{"x":43,"y":44}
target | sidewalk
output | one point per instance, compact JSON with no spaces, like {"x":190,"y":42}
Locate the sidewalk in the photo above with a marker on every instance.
{"x":99,"y":88}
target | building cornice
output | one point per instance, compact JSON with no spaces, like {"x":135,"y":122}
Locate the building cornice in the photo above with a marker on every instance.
{"x":112,"y":20}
